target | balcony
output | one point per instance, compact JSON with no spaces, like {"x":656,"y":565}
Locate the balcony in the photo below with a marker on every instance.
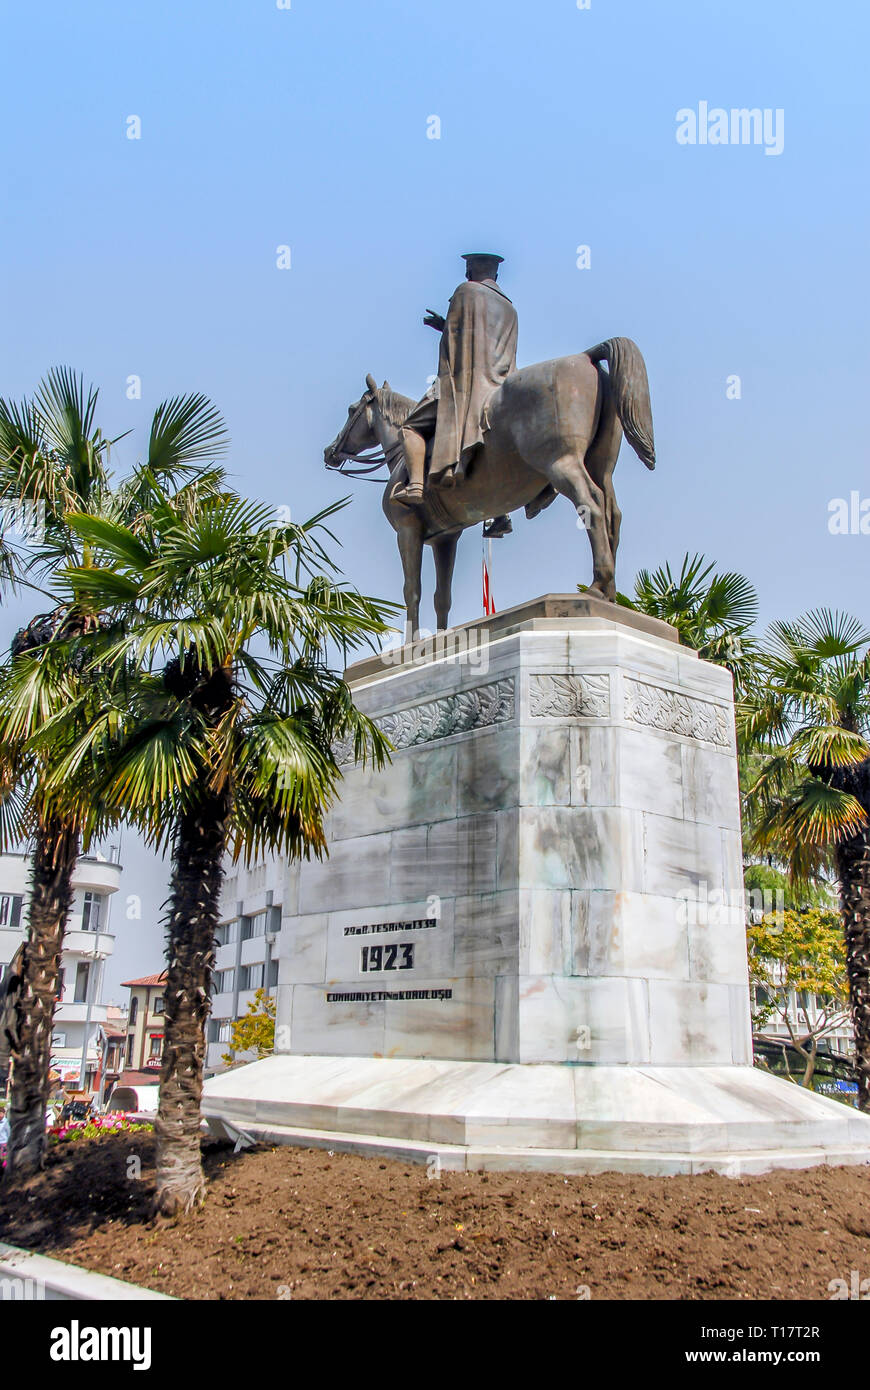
{"x":78,"y":1013}
{"x":10,"y":941}
{"x":225,"y":956}
{"x":15,"y":873}
{"x":222,"y":1005}
{"x":253,"y":950}
{"x":83,"y":943}
{"x":97,"y":874}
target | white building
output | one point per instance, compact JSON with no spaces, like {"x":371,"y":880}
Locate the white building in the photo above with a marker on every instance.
{"x":246,"y":958}
{"x":808,"y":1015}
{"x":87,"y":944}
{"x":806,"y":1012}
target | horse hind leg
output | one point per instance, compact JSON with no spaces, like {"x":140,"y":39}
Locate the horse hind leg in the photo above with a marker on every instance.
{"x":600,"y":460}
{"x":444,"y":551}
{"x":570,"y":476}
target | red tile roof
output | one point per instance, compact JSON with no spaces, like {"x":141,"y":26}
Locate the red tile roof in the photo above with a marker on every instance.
{"x":138,"y":1078}
{"x":146,"y":980}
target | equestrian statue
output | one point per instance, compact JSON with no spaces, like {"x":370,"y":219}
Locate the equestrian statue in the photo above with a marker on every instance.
{"x":488,"y":438}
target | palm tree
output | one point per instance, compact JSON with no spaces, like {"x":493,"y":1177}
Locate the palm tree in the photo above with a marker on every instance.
{"x":53,"y":461}
{"x":712,"y":612}
{"x":34,"y":687}
{"x":809,"y":804}
{"x":225,"y":711}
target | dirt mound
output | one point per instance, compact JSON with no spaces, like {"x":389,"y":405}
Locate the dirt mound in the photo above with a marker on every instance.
{"x":303,"y":1223}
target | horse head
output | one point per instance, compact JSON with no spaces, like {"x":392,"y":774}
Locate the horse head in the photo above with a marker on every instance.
{"x":358,"y":432}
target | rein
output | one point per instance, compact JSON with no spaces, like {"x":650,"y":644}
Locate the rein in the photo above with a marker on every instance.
{"x":371,"y":462}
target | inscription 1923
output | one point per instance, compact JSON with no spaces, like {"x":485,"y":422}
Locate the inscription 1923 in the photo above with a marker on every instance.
{"x":395,"y":955}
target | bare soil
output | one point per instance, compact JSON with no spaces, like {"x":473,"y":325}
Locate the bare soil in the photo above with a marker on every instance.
{"x":303,"y":1223}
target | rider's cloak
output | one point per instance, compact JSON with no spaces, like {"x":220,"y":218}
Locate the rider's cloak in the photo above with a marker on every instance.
{"x":478,"y":350}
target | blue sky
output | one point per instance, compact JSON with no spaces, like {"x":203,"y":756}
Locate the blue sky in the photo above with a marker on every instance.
{"x":307,"y":127}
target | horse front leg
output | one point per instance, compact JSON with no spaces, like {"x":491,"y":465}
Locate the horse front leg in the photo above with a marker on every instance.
{"x":445,"y":558}
{"x":410,"y":538}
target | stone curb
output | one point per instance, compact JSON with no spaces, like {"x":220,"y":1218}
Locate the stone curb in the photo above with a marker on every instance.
{"x":39,"y":1277}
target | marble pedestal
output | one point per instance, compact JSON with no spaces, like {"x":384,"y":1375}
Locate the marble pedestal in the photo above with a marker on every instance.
{"x":527,"y":946}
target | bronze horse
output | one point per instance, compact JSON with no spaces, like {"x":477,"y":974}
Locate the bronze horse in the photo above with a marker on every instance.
{"x":555,"y":427}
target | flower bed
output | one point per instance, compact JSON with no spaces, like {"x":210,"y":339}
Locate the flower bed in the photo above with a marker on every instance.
{"x":97,"y":1127}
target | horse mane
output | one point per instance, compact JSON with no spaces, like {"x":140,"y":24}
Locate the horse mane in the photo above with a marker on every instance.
{"x":394,"y":407}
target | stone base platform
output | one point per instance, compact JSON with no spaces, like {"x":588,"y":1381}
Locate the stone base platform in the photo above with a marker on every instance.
{"x":554,"y":1118}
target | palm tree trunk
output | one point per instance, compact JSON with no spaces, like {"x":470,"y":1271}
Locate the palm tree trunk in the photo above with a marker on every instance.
{"x":197,"y":876}
{"x":56,"y":849}
{"x":853,"y":870}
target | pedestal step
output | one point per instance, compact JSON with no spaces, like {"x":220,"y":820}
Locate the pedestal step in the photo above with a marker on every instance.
{"x":477,"y":1115}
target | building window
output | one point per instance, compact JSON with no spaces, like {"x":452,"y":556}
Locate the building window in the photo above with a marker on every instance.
{"x":58,"y":1039}
{"x":273,"y":974}
{"x":159,"y":1005}
{"x":219,"y":1030}
{"x":253,"y":926}
{"x":60,"y":982}
{"x":92,"y":912}
{"x":226,"y":933}
{"x":251,"y":977}
{"x":156,"y":1045}
{"x":10,"y":911}
{"x":83,"y":970}
{"x":134,"y":1009}
{"x":130,"y":1044}
{"x":224,"y":981}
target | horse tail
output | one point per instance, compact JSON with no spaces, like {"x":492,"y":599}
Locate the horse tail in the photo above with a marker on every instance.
{"x":631,"y":389}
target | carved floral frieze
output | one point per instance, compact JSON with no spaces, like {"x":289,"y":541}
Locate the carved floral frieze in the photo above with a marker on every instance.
{"x":569,"y":696}
{"x":477,"y":708}
{"x":658,"y":708}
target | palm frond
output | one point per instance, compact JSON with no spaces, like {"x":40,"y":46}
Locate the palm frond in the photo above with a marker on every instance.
{"x":829,"y":746}
{"x":185,"y":430}
{"x":114,"y":540}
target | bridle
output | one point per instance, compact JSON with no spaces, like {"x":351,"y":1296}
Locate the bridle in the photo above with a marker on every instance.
{"x":370,"y":460}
